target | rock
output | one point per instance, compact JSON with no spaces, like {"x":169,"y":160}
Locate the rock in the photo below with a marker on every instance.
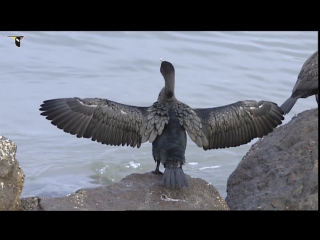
{"x":280,"y":171}
{"x":30,"y":204}
{"x":11,"y":176}
{"x":135,"y":192}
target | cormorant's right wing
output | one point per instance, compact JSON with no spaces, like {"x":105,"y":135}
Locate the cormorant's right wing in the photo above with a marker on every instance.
{"x":105,"y":121}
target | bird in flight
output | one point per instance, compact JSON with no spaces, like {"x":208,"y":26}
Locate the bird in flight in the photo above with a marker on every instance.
{"x":17,"y":39}
{"x":164,"y":124}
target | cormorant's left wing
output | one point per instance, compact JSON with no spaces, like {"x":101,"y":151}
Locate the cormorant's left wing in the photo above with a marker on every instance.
{"x":238,"y":123}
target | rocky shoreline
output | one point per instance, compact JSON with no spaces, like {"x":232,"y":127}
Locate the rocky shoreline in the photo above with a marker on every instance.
{"x":279,"y":172}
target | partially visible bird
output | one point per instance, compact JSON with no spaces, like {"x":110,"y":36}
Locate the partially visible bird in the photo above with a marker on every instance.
{"x":164,"y":124}
{"x":306,"y":85}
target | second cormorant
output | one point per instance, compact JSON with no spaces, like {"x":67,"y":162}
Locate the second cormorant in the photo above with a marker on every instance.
{"x":306,"y":85}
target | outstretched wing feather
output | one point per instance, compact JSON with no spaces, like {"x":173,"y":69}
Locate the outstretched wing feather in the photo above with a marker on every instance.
{"x":238,"y":123}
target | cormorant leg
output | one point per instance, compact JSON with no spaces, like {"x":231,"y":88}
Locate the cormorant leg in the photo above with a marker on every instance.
{"x":157,"y":171}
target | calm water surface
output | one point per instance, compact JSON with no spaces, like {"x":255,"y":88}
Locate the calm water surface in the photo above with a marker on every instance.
{"x":212,"y":69}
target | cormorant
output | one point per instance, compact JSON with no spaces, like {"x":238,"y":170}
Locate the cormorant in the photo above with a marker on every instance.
{"x":306,"y":85}
{"x":164,"y":124}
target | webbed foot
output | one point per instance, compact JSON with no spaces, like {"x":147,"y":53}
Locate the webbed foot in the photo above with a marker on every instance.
{"x":157,"y":171}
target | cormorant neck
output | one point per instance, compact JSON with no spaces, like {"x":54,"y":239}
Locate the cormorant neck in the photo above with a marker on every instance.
{"x":169,"y":85}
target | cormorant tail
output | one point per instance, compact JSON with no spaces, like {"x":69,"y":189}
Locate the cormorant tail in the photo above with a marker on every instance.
{"x":288,"y":104}
{"x":174,"y":177}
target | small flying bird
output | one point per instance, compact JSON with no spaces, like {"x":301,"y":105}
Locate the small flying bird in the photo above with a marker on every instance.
{"x":17,"y":39}
{"x":164,"y":124}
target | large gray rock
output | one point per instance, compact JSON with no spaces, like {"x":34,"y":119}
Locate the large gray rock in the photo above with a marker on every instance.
{"x":135,"y":192}
{"x":11,"y":176}
{"x":280,"y":171}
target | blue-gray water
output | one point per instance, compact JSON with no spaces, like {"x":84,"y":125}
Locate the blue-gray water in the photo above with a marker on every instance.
{"x":212,"y":69}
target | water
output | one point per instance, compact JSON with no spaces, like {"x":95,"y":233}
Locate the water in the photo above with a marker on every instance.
{"x":212,"y":69}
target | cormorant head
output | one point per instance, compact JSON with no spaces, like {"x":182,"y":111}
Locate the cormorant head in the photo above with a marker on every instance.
{"x":166,"y":68}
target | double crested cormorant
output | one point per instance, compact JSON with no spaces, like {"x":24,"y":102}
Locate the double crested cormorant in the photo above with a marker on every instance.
{"x":306,"y":85}
{"x":164,"y":124}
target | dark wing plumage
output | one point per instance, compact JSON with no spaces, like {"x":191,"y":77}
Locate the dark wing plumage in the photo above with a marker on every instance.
{"x":238,"y":123}
{"x":101,"y":120}
{"x":154,"y":123}
{"x":191,"y":123}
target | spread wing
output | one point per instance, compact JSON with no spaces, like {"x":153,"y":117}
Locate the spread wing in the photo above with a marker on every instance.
{"x":238,"y":123}
{"x":104,"y":121}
